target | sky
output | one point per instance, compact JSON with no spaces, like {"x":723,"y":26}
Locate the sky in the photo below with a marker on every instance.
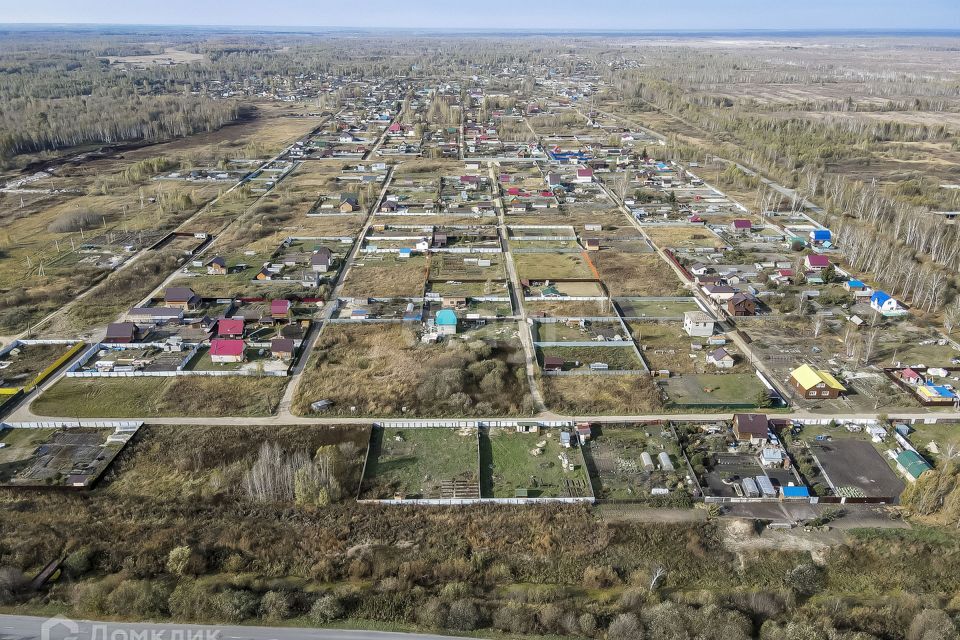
{"x":644,"y":15}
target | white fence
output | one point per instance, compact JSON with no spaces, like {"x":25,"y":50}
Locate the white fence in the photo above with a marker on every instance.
{"x":126,"y":425}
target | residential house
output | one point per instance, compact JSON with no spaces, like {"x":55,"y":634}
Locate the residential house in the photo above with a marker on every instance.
{"x":226,"y":350}
{"x":741,"y":227}
{"x":321,"y":259}
{"x":910,"y":376}
{"x":181,"y":298}
{"x":349,"y":203}
{"x":884,"y":303}
{"x":742,"y":304}
{"x":282,"y":348}
{"x":584,"y":175}
{"x":121,"y":333}
{"x":816,"y":262}
{"x":820,"y":236}
{"x":230,"y":328}
{"x":815,"y":383}
{"x":592,"y":244}
{"x":719,"y":293}
{"x":721,"y":359}
{"x":280,"y":309}
{"x":697,"y":324}
{"x":750,"y":427}
{"x":217,"y":266}
{"x":912,"y":465}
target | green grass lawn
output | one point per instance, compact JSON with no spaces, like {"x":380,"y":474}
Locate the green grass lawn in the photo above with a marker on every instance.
{"x":421,"y":463}
{"x":616,"y":358}
{"x":714,"y":389}
{"x":160,"y":397}
{"x":507,"y":463}
{"x":640,"y":308}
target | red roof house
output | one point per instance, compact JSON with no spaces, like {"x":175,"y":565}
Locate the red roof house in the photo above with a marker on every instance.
{"x":230,"y":328}
{"x":226,"y":350}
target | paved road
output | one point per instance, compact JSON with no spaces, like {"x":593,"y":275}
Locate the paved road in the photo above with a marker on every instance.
{"x":30,"y":628}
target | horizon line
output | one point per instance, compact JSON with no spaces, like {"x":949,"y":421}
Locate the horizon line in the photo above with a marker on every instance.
{"x":598,"y":30}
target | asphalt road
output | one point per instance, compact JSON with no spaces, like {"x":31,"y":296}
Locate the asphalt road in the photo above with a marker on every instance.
{"x":30,"y":628}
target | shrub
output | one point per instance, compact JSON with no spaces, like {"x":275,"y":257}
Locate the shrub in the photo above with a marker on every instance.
{"x":626,"y":626}
{"x":463,"y":616}
{"x":433,"y":614}
{"x":236,"y":605}
{"x":326,"y":609}
{"x":184,"y":561}
{"x":275,"y":605}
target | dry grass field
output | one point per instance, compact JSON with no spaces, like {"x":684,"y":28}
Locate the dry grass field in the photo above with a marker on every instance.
{"x":383,"y":370}
{"x":588,"y":395}
{"x":636,"y":274}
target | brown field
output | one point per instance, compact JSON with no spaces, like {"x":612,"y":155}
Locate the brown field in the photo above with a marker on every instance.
{"x":636,"y":274}
{"x":384,"y":275}
{"x":350,"y":361}
{"x":686,"y":237}
{"x":600,"y":394}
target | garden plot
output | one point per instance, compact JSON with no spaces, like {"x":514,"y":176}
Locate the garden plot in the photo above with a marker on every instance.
{"x":725,"y":472}
{"x":553,"y":266}
{"x":618,"y":469}
{"x":579,"y":331}
{"x":565,"y":308}
{"x":666,"y":347}
{"x":58,"y":457}
{"x":593,"y":359}
{"x":530,"y":465}
{"x":708,"y":391}
{"x":459,"y":267}
{"x":564,"y":289}
{"x":684,"y":237}
{"x":636,"y":274}
{"x":421,"y":463}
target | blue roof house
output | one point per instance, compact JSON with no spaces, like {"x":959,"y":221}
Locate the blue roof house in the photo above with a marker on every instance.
{"x":446,"y":322}
{"x":821,"y":235}
{"x":884,"y":303}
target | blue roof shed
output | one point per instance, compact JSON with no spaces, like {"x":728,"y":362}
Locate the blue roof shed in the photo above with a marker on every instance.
{"x":821,"y":235}
{"x":795,"y":492}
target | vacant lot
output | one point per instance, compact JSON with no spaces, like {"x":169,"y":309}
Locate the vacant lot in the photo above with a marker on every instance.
{"x":552,"y":266}
{"x":714,"y":390}
{"x":529,"y":465}
{"x":21,"y":366}
{"x":421,"y":463}
{"x":856,"y":469}
{"x":656,"y":309}
{"x":146,"y":397}
{"x":686,"y":237}
{"x":383,"y":370}
{"x":601,"y":394}
{"x":636,"y":274}
{"x":384,"y":275}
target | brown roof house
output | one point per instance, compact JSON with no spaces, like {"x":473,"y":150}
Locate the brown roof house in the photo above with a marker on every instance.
{"x":181,"y":298}
{"x":750,"y":427}
{"x":121,"y":333}
{"x":282,"y":348}
{"x":742,"y":304}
